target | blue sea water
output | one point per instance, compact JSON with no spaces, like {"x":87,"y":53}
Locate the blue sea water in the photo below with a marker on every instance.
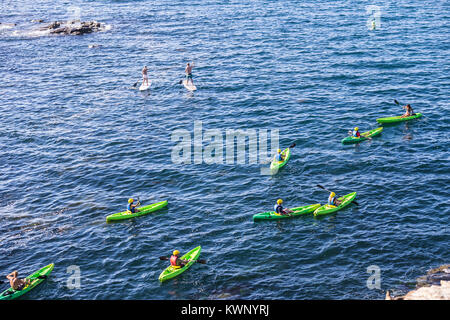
{"x":77,"y":140}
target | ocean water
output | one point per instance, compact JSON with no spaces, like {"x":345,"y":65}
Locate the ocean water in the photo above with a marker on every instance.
{"x":77,"y":140}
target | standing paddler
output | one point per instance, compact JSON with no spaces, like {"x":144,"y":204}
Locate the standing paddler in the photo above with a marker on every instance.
{"x":145,"y":75}
{"x":188,"y":72}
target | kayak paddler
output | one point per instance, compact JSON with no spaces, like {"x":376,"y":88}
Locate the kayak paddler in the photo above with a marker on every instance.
{"x":409,"y":111}
{"x":278,"y":208}
{"x":333,"y":201}
{"x":16,"y":283}
{"x":188,"y":72}
{"x":279,"y":156}
{"x":131,"y":208}
{"x":176,"y":262}
{"x":355,"y":133}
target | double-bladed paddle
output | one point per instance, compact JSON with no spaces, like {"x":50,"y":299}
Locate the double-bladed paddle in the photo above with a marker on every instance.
{"x":322,"y":187}
{"x":198,"y":260}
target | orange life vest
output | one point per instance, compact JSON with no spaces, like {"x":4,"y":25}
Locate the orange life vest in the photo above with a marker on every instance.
{"x":173,"y":261}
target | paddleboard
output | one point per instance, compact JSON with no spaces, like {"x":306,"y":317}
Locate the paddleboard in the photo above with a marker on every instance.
{"x":189,"y":86}
{"x":145,"y":87}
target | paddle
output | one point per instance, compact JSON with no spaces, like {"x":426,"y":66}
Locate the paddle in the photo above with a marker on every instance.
{"x":135,"y":84}
{"x":338,"y":196}
{"x":198,"y":260}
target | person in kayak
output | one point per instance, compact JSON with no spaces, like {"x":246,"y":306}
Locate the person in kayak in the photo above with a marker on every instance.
{"x":278,"y":208}
{"x":356,"y":133}
{"x":16,"y":283}
{"x":188,"y":72}
{"x":145,"y":75}
{"x":176,"y":262}
{"x":333,"y":201}
{"x":131,"y":208}
{"x":279,"y":157}
{"x":409,"y":111}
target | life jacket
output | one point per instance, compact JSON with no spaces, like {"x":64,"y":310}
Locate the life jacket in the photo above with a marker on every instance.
{"x":173,"y":262}
{"x":278,"y":157}
{"x":331,"y":201}
{"x":130,"y":208}
{"x":356,"y":133}
{"x":275,"y":207}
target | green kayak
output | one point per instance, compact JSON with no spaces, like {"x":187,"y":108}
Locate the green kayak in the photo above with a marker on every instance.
{"x":326,"y":209}
{"x":271,"y":215}
{"x":398,"y":118}
{"x":277,"y":165}
{"x":142,"y":211}
{"x":10,"y":293}
{"x":364,"y":136}
{"x":171,"y":272}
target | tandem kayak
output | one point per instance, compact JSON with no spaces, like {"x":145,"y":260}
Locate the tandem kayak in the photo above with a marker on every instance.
{"x":326,"y":209}
{"x":398,"y":118}
{"x":277,"y":165}
{"x":364,"y":136}
{"x":171,"y":272}
{"x":271,"y":215}
{"x":10,"y":293}
{"x":142,"y":211}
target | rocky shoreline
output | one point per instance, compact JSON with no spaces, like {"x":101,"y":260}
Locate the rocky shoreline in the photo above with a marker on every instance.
{"x":72,"y":27}
{"x":433,"y":286}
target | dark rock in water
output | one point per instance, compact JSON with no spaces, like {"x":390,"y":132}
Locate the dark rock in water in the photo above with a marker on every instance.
{"x":60,"y":30}
{"x":74,"y":27}
{"x":54,"y":25}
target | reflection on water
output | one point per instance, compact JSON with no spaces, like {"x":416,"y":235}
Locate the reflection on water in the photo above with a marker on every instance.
{"x":408,"y":135}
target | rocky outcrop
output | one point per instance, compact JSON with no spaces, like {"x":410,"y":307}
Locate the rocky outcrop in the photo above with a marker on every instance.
{"x":75,"y":27}
{"x":433,"y":286}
